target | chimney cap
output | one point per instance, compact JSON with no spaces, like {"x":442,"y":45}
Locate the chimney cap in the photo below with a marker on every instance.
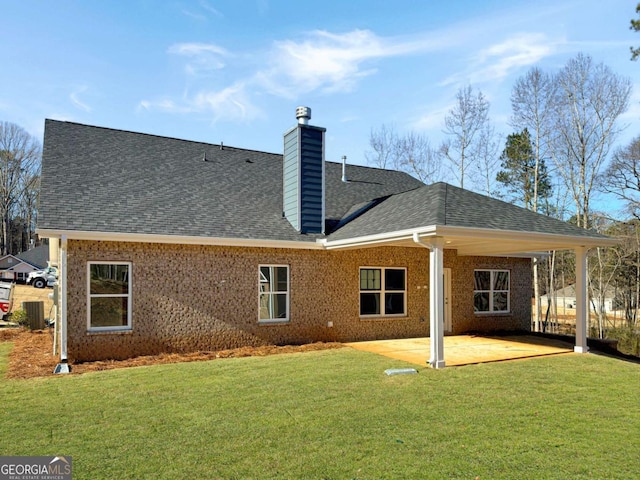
{"x":303,"y":114}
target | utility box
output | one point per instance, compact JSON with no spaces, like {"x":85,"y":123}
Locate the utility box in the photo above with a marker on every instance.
{"x":35,"y":314}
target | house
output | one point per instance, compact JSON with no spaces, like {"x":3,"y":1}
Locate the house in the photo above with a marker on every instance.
{"x":167,"y":245}
{"x":566,"y":298}
{"x":16,"y":268}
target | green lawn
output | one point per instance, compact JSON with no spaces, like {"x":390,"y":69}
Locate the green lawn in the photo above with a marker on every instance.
{"x":333,"y":414}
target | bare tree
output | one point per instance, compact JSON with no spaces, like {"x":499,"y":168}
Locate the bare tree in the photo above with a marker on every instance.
{"x":488,"y":160}
{"x":416,"y":156}
{"x":463,"y":125}
{"x":622,"y":177}
{"x":411,"y":153}
{"x":588,"y":101}
{"x":20,"y":155}
{"x":28,"y":206}
{"x":532,"y":109}
{"x":383,"y":145}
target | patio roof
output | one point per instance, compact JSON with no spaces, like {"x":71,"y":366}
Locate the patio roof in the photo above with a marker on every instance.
{"x":470,"y":223}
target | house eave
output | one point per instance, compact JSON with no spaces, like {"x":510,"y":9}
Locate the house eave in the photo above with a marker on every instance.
{"x":467,"y":241}
{"x":477,"y":241}
{"x":176,"y":239}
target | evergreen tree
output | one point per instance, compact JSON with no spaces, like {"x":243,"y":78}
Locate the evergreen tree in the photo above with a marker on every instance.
{"x":518,"y":177}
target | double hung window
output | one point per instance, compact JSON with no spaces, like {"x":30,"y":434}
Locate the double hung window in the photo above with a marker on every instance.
{"x":109,"y":296}
{"x":273,"y":293}
{"x":491,"y":291}
{"x":383,"y":291}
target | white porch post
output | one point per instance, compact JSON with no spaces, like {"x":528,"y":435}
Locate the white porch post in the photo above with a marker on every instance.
{"x":436,"y":303}
{"x":436,"y":298}
{"x":582,"y":306}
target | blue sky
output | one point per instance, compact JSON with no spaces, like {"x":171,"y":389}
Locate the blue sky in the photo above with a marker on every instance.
{"x":234,"y":71}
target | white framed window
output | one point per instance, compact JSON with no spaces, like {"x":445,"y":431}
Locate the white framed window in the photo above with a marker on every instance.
{"x":492,"y":291}
{"x":383,"y":292}
{"x":273,"y":297}
{"x":109,"y":296}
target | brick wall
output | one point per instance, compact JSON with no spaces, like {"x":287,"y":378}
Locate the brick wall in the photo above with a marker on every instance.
{"x":190,"y":298}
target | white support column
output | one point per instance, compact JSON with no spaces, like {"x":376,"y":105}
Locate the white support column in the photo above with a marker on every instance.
{"x":62,"y":298}
{"x":582,"y":306}
{"x":436,"y":302}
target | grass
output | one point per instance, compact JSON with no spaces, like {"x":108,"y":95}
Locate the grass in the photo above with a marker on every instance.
{"x":333,"y":415}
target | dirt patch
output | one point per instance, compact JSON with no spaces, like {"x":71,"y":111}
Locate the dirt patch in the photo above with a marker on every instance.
{"x":32,"y":354}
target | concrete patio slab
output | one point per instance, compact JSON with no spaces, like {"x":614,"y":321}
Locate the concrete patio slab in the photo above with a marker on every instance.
{"x":466,"y":349}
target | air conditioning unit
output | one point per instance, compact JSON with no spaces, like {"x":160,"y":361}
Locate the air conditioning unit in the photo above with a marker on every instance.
{"x":35,"y":314}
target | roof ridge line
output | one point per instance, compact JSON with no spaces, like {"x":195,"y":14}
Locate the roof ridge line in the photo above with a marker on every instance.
{"x":155,"y":135}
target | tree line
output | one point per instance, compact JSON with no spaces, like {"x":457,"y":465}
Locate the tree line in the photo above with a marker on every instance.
{"x":560,"y":154}
{"x":20,"y":162}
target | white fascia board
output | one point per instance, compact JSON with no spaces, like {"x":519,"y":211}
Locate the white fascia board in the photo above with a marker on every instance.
{"x":449,"y":232}
{"x":516,"y":235}
{"x":177,"y":239}
{"x":381,"y":238}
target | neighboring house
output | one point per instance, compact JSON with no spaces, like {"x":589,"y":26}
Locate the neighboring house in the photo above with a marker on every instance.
{"x":566,"y":298}
{"x":16,"y":268}
{"x":167,"y":245}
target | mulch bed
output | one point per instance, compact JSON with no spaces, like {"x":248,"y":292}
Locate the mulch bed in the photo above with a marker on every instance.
{"x":32,"y":354}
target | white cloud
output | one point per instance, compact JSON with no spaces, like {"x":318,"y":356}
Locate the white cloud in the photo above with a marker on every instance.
{"x":163,"y":105}
{"x":229,"y":104}
{"x":75,"y":100}
{"x":209,"y":8}
{"x":432,"y":120}
{"x":332,"y":62}
{"x":205,"y":57}
{"x":194,"y":49}
{"x":519,"y":51}
{"x":203,"y":17}
{"x":196,"y":16}
{"x":500,"y":60}
{"x":322,"y":61}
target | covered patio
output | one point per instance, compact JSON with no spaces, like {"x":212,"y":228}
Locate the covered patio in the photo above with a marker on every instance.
{"x":446,"y":217}
{"x":467,"y":349}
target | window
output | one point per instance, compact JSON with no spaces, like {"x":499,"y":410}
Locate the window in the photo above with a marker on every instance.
{"x":491,"y":292}
{"x":383,"y":291}
{"x":109,"y":296}
{"x":274,"y":293}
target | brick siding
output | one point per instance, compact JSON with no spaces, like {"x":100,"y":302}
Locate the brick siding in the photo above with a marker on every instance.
{"x":189,"y":298}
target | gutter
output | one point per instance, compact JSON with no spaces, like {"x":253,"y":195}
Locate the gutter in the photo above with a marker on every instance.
{"x":177,"y":239}
{"x":63,"y":366}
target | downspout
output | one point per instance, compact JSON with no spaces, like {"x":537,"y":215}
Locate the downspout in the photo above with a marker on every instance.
{"x":63,"y":366}
{"x":436,"y":359}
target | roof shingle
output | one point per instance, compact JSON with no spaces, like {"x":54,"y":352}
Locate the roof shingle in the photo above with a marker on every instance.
{"x":103,"y":180}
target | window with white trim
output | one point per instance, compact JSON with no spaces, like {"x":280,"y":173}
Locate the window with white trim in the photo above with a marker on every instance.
{"x":383,"y":291}
{"x":491,"y":292}
{"x":108,"y":296}
{"x":273,"y":303}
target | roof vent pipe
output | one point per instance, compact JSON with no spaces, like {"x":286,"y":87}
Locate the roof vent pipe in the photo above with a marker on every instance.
{"x":344,"y":169}
{"x":303,"y":114}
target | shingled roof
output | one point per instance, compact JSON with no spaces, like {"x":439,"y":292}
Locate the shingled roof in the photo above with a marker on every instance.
{"x":104,"y":180}
{"x":446,"y":205}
